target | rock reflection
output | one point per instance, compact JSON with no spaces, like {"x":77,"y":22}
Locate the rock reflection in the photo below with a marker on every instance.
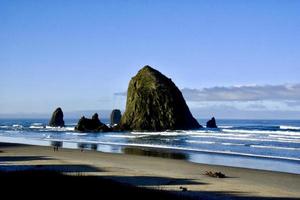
{"x":155,"y":153}
{"x":94,"y":147}
{"x":87,"y":146}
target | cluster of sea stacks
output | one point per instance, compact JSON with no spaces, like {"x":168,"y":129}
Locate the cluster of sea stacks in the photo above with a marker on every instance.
{"x":154,"y":103}
{"x":94,"y":125}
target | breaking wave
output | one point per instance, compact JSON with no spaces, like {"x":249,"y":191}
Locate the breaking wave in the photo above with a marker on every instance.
{"x":290,"y":127}
{"x":261,"y":132}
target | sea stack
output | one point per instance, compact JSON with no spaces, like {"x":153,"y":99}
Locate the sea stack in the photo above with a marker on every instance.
{"x":115,"y":117}
{"x":211,"y":123}
{"x":154,"y":103}
{"x":57,"y":119}
{"x":91,"y":125}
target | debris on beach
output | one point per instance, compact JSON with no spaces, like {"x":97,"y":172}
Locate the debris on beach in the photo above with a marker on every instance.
{"x":215,"y":174}
{"x":183,"y":189}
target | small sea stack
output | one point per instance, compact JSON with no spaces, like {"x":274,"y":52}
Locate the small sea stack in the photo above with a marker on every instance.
{"x":115,"y":117}
{"x":57,"y":119}
{"x":91,"y":125}
{"x":211,"y":123}
{"x":154,"y":103}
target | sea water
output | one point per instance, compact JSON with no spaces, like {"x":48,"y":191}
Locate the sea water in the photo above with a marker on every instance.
{"x":259,"y":144}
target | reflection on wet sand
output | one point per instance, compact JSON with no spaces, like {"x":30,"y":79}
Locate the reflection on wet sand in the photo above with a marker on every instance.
{"x":94,"y":147}
{"x":56,"y":145}
{"x":121,"y":149}
{"x":155,"y":153}
{"x":87,"y":146}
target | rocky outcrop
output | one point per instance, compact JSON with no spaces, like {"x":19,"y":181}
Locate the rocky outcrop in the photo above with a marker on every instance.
{"x":57,"y":119}
{"x":115,"y":117}
{"x":154,"y":103}
{"x":91,"y":125}
{"x":211,"y":123}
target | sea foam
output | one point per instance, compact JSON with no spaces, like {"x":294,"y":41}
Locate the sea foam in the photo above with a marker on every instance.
{"x":290,"y":127}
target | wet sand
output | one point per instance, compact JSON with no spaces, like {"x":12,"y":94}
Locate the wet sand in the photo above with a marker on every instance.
{"x":154,"y":172}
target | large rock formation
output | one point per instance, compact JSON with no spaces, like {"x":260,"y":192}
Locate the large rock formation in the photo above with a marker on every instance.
{"x":211,"y":123}
{"x":91,"y":125}
{"x":154,"y":103}
{"x":57,"y":118}
{"x":115,"y":117}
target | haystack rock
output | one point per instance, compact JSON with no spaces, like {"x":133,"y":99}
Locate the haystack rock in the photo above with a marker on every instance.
{"x":91,"y":125}
{"x":115,"y":117}
{"x":154,"y":103}
{"x":211,"y":123}
{"x":57,"y":119}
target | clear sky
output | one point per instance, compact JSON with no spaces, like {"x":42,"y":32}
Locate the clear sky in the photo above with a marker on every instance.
{"x":77,"y":54}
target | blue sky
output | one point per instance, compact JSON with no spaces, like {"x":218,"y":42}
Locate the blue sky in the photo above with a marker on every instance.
{"x":78,"y":54}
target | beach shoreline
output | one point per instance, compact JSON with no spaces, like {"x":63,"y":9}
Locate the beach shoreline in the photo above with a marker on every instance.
{"x":155,"y":172}
{"x":230,"y":159}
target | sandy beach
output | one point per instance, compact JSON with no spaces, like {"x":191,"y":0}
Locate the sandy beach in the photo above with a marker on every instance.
{"x":158,"y":173}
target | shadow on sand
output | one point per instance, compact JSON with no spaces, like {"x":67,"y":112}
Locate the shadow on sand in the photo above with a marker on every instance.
{"x":5,"y":166}
{"x":22,"y":158}
{"x":56,"y":168}
{"x":153,"y":180}
{"x":51,"y":181}
{"x":32,"y":183}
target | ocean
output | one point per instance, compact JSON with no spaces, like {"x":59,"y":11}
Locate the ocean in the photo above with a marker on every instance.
{"x":259,"y":144}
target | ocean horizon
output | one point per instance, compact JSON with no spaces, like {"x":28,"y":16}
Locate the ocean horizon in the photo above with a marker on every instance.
{"x":257,"y":144}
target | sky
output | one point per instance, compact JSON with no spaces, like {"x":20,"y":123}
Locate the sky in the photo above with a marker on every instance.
{"x":242,"y":56}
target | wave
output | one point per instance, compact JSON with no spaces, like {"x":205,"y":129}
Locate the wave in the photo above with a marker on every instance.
{"x":275,"y":147}
{"x":51,"y":128}
{"x":193,"y":132}
{"x":251,"y":139}
{"x":124,"y":136}
{"x":17,"y":126}
{"x":225,"y":126}
{"x":176,"y":132}
{"x":36,"y":127}
{"x":200,"y":142}
{"x":289,"y":127}
{"x":70,"y":124}
{"x":284,"y":136}
{"x":210,"y":142}
{"x":37,"y":124}
{"x":159,"y":133}
{"x":12,"y":131}
{"x":14,"y":126}
{"x":48,"y":136}
{"x":232,"y":144}
{"x":69,"y":128}
{"x":77,"y":134}
{"x":222,"y":134}
{"x":261,"y":132}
